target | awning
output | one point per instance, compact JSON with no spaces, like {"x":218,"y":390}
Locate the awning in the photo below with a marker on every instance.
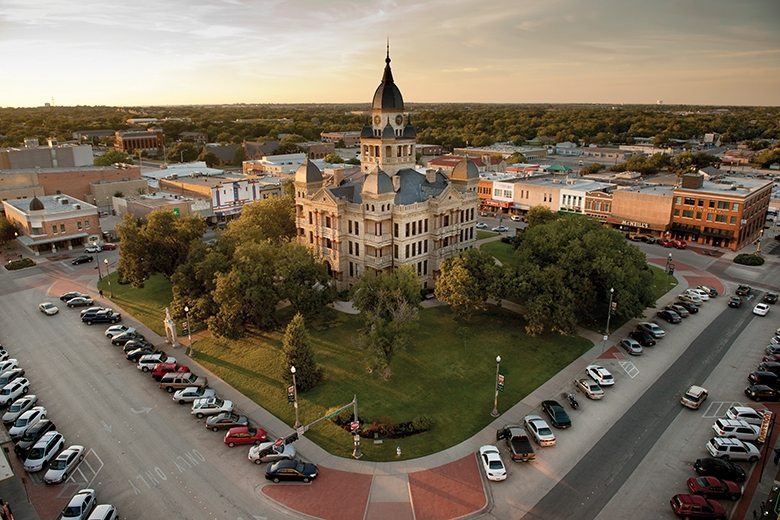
{"x":28,"y":241}
{"x":618,"y":221}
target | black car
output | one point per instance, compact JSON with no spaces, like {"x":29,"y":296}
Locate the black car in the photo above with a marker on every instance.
{"x":121,"y":339}
{"x":735,"y":302}
{"x":679,"y":309}
{"x":82,"y":259}
{"x":294,"y":469}
{"x":70,"y":295}
{"x":102,"y":317}
{"x":136,"y":354}
{"x":31,"y":436}
{"x":744,"y":290}
{"x":762,"y":393}
{"x":670,"y":316}
{"x":719,"y":468}
{"x":770,"y":366}
{"x":558,"y":416}
{"x":770,"y":298}
{"x":687,"y":306}
{"x":643,"y":337}
{"x":135,"y":344}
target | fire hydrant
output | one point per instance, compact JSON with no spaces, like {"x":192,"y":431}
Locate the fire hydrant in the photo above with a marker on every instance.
{"x":398,"y":451}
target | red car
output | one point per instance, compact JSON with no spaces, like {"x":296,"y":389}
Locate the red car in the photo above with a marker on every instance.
{"x":680,"y":244}
{"x":711,"y":487}
{"x":109,"y":247}
{"x":694,"y":506}
{"x":160,"y":369}
{"x":245,"y":435}
{"x":665,"y":243}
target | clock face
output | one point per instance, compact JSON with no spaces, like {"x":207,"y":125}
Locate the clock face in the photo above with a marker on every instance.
{"x":399,"y":119}
{"x":377,"y":119}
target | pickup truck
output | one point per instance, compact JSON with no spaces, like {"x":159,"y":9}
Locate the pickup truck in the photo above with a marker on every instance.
{"x":517,"y":440}
{"x":178,"y":380}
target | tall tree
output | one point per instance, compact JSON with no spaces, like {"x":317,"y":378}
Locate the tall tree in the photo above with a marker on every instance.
{"x":7,"y":230}
{"x":467,"y":281}
{"x":272,"y":218}
{"x":132,"y":266}
{"x":297,"y":352}
{"x":113,"y":156}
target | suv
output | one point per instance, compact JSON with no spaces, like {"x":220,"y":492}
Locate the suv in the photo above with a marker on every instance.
{"x":736,"y":429}
{"x":149,"y":361}
{"x":10,"y":375}
{"x":732,"y":449}
{"x":695,"y":506}
{"x":31,"y":436}
{"x":694,"y":397}
{"x":642,"y":337}
{"x":758,"y":377}
{"x":178,"y":380}
{"x":105,"y":316}
{"x":13,"y":391}
{"x":744,"y":290}
{"x":745,"y":413}
{"x":44,"y":450}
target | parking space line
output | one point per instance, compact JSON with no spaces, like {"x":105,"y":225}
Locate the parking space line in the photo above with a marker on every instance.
{"x":718,"y":409}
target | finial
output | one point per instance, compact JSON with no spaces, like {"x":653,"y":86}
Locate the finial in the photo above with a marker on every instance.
{"x":387,"y":59}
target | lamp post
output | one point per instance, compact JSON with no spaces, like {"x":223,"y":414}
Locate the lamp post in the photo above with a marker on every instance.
{"x":758,"y":242}
{"x":295,"y":399}
{"x":189,"y":331}
{"x":494,"y":413}
{"x":108,"y":279}
{"x":669,"y":264}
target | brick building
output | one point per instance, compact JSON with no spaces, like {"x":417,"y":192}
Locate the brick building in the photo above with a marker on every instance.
{"x":131,"y":141}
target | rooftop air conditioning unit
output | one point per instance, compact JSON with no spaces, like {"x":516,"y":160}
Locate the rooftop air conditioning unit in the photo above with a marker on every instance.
{"x":77,"y":206}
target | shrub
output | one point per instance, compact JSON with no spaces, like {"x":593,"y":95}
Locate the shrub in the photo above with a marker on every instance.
{"x":13,"y":265}
{"x":748,"y":259}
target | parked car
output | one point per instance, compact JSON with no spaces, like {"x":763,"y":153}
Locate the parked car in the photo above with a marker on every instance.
{"x":225,"y":421}
{"x":758,"y":377}
{"x":44,"y":450}
{"x":115,"y":330}
{"x":517,"y":441}
{"x":500,"y":229}
{"x":93,"y":248}
{"x":690,"y":506}
{"x":558,"y":416}
{"x":630,"y":346}
{"x":104,"y":512}
{"x":105,"y":316}
{"x":600,"y":375}
{"x":642,"y":337}
{"x":539,"y":430}
{"x":26,"y":420}
{"x":735,"y":302}
{"x":93,"y":310}
{"x":770,"y":366}
{"x":82,"y":259}
{"x":713,"y":487}
{"x":770,"y":298}
{"x":271,"y":452}
{"x":294,"y":469}
{"x":744,"y":290}
{"x":693,"y":297}
{"x":177,"y":381}
{"x":124,"y":337}
{"x":591,"y":389}
{"x":48,"y":308}
{"x":736,"y":429}
{"x":162,"y":369}
{"x":108,"y":246}
{"x":745,"y":413}
{"x":679,"y":244}
{"x":210,"y":406}
{"x":732,"y":449}
{"x":670,"y":316}
{"x":694,"y":397}
{"x":65,"y":462}
{"x":687,"y":298}
{"x":72,"y":294}
{"x":761,"y":309}
{"x":762,"y":393}
{"x":31,"y":436}
{"x":665,"y":243}
{"x":189,"y":394}
{"x":10,"y":375}
{"x":704,"y":295}
{"x":14,"y":390}
{"x":135,"y":344}
{"x":137,"y":353}
{"x":9,"y":364}
{"x":80,"y":506}
{"x":719,"y":468}
{"x":690,"y":307}
{"x":709,"y":289}
{"x":148,"y":362}
{"x":244,"y":435}
{"x":653,"y":328}
{"x":79,"y":301}
{"x":18,"y":407}
{"x":481,"y":225}
{"x":492,"y":464}
{"x":679,"y":309}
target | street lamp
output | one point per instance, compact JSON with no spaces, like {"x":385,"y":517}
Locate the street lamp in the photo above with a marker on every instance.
{"x":189,"y":331}
{"x":295,"y":399}
{"x":494,"y":413}
{"x":108,"y":279}
{"x":669,"y":265}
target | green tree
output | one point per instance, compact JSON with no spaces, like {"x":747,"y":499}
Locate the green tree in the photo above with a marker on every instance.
{"x":540,"y":215}
{"x":768,"y":157}
{"x":286,"y":148}
{"x":333,"y":158}
{"x":389,"y":304}
{"x":209,"y":158}
{"x":183,"y":152}
{"x":467,"y":281}
{"x":272,"y":218}
{"x":297,"y":352}
{"x":194,"y":281}
{"x":240,"y":156}
{"x":591,"y":169}
{"x":302,"y":279}
{"x":113,"y":156}
{"x":131,"y":266}
{"x":7,"y":230}
{"x":516,"y":158}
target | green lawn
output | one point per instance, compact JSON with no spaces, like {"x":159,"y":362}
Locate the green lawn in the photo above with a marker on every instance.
{"x":503,"y":252}
{"x":662,"y":282}
{"x":485,"y":234}
{"x":146,"y":304}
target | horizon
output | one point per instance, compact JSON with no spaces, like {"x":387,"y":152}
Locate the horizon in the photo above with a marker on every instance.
{"x":698,"y":53}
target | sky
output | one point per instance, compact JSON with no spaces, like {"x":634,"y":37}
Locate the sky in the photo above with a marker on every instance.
{"x":171,"y":52}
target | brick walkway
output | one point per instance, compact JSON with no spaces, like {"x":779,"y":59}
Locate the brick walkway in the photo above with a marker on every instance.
{"x":450,"y":491}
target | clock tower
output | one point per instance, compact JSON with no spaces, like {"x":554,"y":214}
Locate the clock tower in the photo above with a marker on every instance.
{"x":388,"y":143}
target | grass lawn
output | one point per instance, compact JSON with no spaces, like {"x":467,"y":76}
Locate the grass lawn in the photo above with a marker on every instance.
{"x":503,"y":252}
{"x":146,"y":304}
{"x":485,"y":234}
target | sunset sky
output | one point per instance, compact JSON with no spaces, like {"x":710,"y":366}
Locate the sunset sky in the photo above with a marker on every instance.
{"x":160,"y":52}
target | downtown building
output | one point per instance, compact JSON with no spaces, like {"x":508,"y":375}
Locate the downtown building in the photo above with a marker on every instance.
{"x":392,"y":214}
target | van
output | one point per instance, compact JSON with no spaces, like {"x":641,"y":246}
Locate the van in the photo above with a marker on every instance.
{"x":44,"y":450}
{"x":759,"y":377}
{"x":104,"y":512}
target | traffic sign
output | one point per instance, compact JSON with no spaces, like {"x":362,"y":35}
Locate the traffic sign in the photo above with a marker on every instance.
{"x":500,"y":382}
{"x":353,"y":426}
{"x":291,"y":394}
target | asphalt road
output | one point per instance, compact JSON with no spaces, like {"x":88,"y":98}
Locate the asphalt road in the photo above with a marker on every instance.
{"x":147,"y":454}
{"x":599,"y":475}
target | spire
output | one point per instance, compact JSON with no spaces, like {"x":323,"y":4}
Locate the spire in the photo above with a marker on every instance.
{"x":387,"y":77}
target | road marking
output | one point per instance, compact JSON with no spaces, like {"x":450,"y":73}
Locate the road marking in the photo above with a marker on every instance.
{"x":630,"y":368}
{"x":84,"y":474}
{"x":144,"y":409}
{"x":718,"y":409}
{"x":106,"y":427}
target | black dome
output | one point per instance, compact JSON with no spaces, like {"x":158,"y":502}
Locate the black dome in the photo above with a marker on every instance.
{"x":36,"y":204}
{"x":387,"y":95}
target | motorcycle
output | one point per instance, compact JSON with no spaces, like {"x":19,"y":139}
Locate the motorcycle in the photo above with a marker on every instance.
{"x":572,"y":401}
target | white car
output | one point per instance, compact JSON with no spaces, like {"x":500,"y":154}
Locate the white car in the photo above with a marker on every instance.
{"x":44,"y":450}
{"x":539,"y":430}
{"x":48,"y":308}
{"x":736,"y":429}
{"x":115,"y":330}
{"x":600,"y":375}
{"x":210,"y":406}
{"x":24,"y":421}
{"x":189,"y":394}
{"x":80,"y":506}
{"x":149,"y":361}
{"x":492,"y":463}
{"x":704,"y":295}
{"x":8,"y":364}
{"x":104,"y":512}
{"x":591,"y":389}
{"x":18,"y":407}
{"x":94,"y":248}
{"x":14,"y":390}
{"x":285,"y":451}
{"x":481,"y":225}
{"x":64,"y":463}
{"x":745,"y":413}
{"x":732,"y":449}
{"x":500,"y":229}
{"x":693,"y":297}
{"x":761,"y":309}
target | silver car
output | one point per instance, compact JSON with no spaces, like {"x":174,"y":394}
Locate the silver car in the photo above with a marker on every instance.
{"x":285,"y":451}
{"x":27,"y":419}
{"x":189,"y":394}
{"x":18,"y":407}
{"x":65,"y":462}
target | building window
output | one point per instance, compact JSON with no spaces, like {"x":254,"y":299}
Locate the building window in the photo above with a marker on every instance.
{"x":311,"y":237}
{"x":676,"y":212}
{"x":350,"y":247}
{"x":351,"y":269}
{"x":712,"y":203}
{"x":395,"y":229}
{"x":414,"y":248}
{"x":414,"y":228}
{"x":700,"y":203}
{"x":425,"y":267}
{"x":78,"y":225}
{"x":357,"y":228}
{"x":687,"y":213}
{"x":425,"y":245}
{"x":327,"y":221}
{"x":311,"y":218}
{"x":733,"y":220}
{"x":357,"y":249}
{"x":407,"y":251}
{"x":722,"y":204}
{"x":446,"y":221}
{"x":395,"y":250}
{"x":677,"y":200}
{"x":720,"y":218}
{"x":426,"y":225}
{"x":698,"y":215}
{"x":709,"y":217}
{"x":349,"y":225}
{"x":735,"y":206}
{"x":54,"y":229}
{"x":328,"y":244}
{"x":407,"y":229}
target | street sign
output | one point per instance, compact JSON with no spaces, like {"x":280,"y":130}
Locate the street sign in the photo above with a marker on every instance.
{"x":353,"y":426}
{"x":291,"y":394}
{"x":500,"y":382}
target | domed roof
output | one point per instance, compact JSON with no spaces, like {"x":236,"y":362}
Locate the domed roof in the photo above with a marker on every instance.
{"x":36,"y":204}
{"x":387,"y":95}
{"x":410,"y":132}
{"x":465,"y":170}
{"x":387,"y":131}
{"x":366,"y":132}
{"x":377,"y":182}
{"x":308,"y":172}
